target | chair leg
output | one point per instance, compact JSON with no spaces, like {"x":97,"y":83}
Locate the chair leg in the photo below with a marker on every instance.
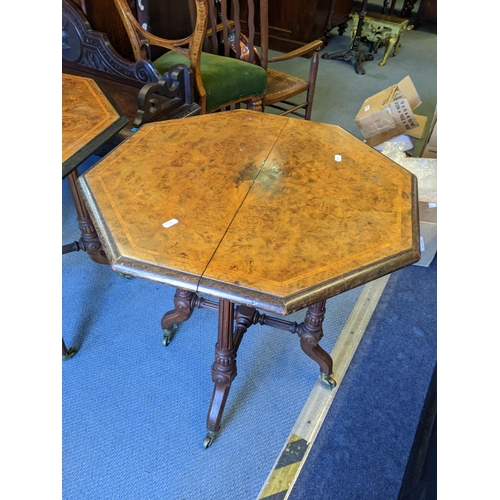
{"x":255,"y":105}
{"x":313,"y":72}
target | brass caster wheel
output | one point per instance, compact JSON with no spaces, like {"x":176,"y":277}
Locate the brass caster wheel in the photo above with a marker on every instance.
{"x":125,"y":276}
{"x":69,"y":354}
{"x":168,"y":334}
{"x":328,"y":380}
{"x":209,"y":439}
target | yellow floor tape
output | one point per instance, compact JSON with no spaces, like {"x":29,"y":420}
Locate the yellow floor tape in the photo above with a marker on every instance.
{"x":281,"y":479}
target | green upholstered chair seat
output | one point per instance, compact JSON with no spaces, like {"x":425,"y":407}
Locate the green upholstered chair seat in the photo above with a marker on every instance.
{"x":225,"y":79}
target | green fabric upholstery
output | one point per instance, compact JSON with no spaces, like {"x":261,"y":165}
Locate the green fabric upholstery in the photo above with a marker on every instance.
{"x":225,"y":79}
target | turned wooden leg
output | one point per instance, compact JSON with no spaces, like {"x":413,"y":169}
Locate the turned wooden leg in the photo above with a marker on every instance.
{"x":255,"y":105}
{"x":310,"y":333}
{"x":342,"y":28}
{"x":245,"y":317}
{"x":89,"y":242}
{"x":407,"y":8}
{"x":182,"y":312}
{"x":223,"y":369}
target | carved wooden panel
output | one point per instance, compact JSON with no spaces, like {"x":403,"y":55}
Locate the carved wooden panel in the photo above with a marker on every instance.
{"x":103,"y":16}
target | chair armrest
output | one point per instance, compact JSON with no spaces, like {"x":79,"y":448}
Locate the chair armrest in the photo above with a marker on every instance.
{"x":302,"y":51}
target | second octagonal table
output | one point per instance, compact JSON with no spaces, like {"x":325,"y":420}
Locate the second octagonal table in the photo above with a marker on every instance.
{"x":89,"y":119}
{"x":259,"y":213}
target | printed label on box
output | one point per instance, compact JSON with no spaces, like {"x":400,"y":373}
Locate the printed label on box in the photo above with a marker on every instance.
{"x":403,"y":115}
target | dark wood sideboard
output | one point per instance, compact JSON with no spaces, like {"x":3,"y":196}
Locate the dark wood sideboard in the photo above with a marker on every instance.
{"x":292,"y":23}
{"x":427,"y":11}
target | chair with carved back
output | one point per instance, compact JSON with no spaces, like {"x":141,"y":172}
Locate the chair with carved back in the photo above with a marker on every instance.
{"x":219,"y":81}
{"x":248,"y":22}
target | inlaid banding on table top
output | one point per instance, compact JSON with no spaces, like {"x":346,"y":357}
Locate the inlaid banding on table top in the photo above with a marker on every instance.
{"x":272,"y":206}
{"x":284,"y":215}
{"x":87,"y":113}
{"x":163,"y":173}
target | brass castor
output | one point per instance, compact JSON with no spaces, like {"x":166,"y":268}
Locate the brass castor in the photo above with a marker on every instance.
{"x":69,"y":353}
{"x":328,"y":380}
{"x":209,"y":439}
{"x":125,"y":276}
{"x":168,"y":334}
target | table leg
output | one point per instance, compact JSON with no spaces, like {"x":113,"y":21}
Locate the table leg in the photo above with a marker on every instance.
{"x":223,"y":369}
{"x":407,"y":8}
{"x":182,"y":312}
{"x":310,"y":333}
{"x":89,"y":242}
{"x":390,"y":44}
{"x":67,"y":353}
{"x":398,"y":43}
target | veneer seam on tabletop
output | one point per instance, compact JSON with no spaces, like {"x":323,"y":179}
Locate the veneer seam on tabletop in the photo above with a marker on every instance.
{"x":202,"y":275}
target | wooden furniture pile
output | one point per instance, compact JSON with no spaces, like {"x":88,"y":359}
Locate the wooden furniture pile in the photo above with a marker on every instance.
{"x":139,"y":90}
{"x":218,"y":44}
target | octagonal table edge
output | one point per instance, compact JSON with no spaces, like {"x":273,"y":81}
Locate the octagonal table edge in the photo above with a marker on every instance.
{"x":127,"y":265}
{"x":284,"y":306}
{"x":71,"y":163}
{"x":297,"y":301}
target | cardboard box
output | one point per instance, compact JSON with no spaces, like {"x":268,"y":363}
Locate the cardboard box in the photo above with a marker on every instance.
{"x":428,"y":233}
{"x":389,"y":113}
{"x":430,"y":148}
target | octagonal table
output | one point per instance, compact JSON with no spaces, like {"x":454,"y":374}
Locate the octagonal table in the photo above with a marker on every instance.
{"x":258,"y":212}
{"x":89,"y":119}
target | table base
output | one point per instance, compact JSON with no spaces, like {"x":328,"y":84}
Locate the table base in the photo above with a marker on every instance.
{"x":234,"y":321}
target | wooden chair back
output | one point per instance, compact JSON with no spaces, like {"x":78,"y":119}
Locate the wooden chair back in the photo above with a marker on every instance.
{"x":232,"y":29}
{"x":237,"y":17}
{"x":237,"y":20}
{"x":190,"y":46}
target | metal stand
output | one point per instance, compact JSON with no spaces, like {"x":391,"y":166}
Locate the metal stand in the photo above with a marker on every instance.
{"x":353,"y":55}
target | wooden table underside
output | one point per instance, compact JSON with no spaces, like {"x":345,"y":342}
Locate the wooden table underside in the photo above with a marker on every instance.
{"x":273,"y":213}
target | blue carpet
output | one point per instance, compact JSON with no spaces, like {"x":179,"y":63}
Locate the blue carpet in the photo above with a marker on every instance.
{"x":134,"y":411}
{"x":362,"y":449}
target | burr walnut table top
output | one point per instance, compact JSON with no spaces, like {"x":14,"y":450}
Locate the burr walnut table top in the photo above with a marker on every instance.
{"x":273,"y":212}
{"x":89,"y":118}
